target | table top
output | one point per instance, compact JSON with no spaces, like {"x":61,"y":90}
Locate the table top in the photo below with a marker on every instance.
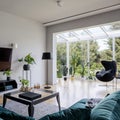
{"x":45,"y":95}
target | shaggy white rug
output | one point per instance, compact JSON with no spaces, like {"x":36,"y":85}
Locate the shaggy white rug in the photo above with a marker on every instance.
{"x":40,"y":109}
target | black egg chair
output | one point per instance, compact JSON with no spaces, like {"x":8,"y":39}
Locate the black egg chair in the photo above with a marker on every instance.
{"x":108,"y":73}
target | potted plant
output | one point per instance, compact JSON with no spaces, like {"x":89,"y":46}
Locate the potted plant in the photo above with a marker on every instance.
{"x":59,"y":72}
{"x":71,"y":73}
{"x":65,"y":72}
{"x":28,"y":59}
{"x":7,"y":73}
{"x":25,"y":85}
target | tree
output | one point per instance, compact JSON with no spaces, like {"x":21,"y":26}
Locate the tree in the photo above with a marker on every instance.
{"x":78,"y":56}
{"x":61,"y":58}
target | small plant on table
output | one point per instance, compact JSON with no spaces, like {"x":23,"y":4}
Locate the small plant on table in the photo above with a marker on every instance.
{"x":25,"y":85}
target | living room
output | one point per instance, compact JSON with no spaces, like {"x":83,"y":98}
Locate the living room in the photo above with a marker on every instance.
{"x":34,"y":36}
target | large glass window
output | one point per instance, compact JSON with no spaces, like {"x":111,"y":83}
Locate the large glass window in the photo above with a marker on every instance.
{"x":82,"y":50}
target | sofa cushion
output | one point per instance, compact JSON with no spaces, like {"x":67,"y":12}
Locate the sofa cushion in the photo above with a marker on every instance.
{"x":69,"y":114}
{"x":78,"y":111}
{"x":108,"y":108}
{"x":6,"y":114}
{"x":45,"y":118}
{"x":114,"y":95}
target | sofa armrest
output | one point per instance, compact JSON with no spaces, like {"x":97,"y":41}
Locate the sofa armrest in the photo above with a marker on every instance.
{"x":6,"y":114}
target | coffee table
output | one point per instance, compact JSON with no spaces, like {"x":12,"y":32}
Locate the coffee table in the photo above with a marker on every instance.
{"x":45,"y":95}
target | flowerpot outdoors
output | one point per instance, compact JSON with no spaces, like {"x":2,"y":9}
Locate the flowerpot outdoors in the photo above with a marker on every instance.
{"x":72,"y":77}
{"x":65,"y":72}
{"x":65,"y":78}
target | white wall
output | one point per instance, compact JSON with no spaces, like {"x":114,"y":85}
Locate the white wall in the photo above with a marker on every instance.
{"x":102,"y":18}
{"x":30,"y":37}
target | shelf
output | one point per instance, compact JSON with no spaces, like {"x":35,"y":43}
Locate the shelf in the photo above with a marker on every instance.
{"x":7,"y":85}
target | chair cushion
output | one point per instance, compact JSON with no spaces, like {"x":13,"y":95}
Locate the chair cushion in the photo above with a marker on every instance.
{"x":103,"y":72}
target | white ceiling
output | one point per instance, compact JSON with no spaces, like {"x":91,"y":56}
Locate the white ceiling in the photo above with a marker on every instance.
{"x":47,"y":11}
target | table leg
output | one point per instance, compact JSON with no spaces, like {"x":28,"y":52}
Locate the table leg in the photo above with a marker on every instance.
{"x":58,"y":101}
{"x":31,"y":110}
{"x":4,"y":100}
{"x":116,"y":84}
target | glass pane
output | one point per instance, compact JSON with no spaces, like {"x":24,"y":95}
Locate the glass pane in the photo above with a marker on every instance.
{"x":61,"y":58}
{"x":105,"y":49}
{"x":96,"y":32}
{"x":95,"y":61}
{"x":100,"y":49}
{"x":89,"y":46}
{"x":113,"y":30}
{"x":82,"y":34}
{"x":70,"y":36}
{"x":78,"y":58}
{"x":117,"y":54}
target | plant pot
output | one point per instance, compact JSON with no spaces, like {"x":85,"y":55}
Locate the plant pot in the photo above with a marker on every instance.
{"x":24,"y":89}
{"x":8,"y":78}
{"x":72,"y":77}
{"x":26,"y":67}
{"x":65,"y":78}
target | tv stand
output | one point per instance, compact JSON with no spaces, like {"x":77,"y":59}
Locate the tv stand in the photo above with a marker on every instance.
{"x":7,"y":85}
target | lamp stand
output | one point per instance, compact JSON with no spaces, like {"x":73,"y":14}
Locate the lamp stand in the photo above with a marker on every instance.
{"x":47,"y":86}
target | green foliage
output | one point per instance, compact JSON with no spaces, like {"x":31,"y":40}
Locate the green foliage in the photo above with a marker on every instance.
{"x":28,"y":59}
{"x":71,"y":71}
{"x":79,"y":56}
{"x":7,"y":73}
{"x":59,"y":71}
{"x":59,"y":74}
{"x":61,"y":54}
{"x":65,"y":70}
{"x":25,"y":82}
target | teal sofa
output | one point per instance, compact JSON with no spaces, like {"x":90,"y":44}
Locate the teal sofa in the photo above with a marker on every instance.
{"x":6,"y":114}
{"x":78,"y":111}
{"x":107,"y":109}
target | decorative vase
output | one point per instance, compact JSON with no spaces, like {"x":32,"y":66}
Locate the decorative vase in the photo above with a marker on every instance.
{"x":8,"y":78}
{"x":24,"y":88}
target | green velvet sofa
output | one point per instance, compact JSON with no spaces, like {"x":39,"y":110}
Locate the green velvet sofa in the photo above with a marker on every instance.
{"x":6,"y":114}
{"x":78,"y":111}
{"x":107,"y":109}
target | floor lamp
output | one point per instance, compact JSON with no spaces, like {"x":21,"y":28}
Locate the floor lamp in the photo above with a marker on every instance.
{"x":46,"y":56}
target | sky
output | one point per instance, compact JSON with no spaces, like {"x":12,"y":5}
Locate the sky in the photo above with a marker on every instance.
{"x":102,"y":43}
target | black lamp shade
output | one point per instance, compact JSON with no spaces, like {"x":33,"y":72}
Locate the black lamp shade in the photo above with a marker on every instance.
{"x":46,"y":55}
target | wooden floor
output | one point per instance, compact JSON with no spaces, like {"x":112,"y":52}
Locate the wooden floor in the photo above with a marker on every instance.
{"x":72,"y":91}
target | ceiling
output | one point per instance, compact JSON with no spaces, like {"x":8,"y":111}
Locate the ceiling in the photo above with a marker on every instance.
{"x":47,"y":11}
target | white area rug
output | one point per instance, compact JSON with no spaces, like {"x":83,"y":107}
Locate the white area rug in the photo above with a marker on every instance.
{"x":40,"y":109}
